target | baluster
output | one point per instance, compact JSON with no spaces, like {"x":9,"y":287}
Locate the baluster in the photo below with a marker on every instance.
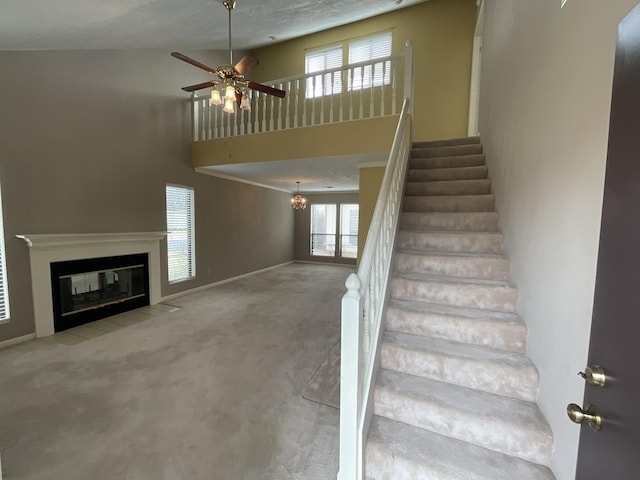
{"x":323,"y":98}
{"x":313,"y":104}
{"x":383,"y":88}
{"x":308,"y":82}
{"x":332,"y":96}
{"x":341,"y":91}
{"x":288,"y":111}
{"x":372,"y":91}
{"x":256,"y":112}
{"x":279,"y":110}
{"x":271,"y":113}
{"x":201,"y":120}
{"x":352,"y":73}
{"x":361,"y":93}
{"x":228,"y":130}
{"x":264,"y":112}
{"x":394,"y":92}
{"x":296,"y":104}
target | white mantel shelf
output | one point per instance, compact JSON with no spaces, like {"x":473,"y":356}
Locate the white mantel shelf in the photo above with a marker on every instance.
{"x":39,"y":240}
{"x":57,"y":247}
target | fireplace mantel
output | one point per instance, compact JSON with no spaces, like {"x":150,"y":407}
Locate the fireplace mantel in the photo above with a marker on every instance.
{"x":47,"y":248}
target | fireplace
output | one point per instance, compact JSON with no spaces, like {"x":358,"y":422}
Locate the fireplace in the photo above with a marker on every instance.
{"x":48,"y":249}
{"x":90,"y":289}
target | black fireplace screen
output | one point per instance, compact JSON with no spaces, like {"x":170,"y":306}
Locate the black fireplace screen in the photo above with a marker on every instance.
{"x":91,"y":289}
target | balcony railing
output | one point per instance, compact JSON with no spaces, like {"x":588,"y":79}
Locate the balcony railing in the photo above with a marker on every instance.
{"x":358,"y":91}
{"x":363,"y":306}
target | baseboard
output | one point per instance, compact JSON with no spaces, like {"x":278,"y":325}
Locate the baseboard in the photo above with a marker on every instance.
{"x":310,"y":262}
{"x":15,"y":341}
{"x":222,"y":282}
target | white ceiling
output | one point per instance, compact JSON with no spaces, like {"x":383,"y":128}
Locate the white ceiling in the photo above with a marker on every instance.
{"x":316,"y":175}
{"x":172,"y":24}
{"x":193,"y":25}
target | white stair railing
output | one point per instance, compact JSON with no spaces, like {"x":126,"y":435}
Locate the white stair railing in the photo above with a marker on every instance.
{"x":357,"y":91}
{"x":363,"y":305}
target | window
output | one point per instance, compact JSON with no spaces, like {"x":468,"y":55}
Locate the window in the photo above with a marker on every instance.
{"x":325,"y":232}
{"x":370,"y":48}
{"x":317,"y":61}
{"x":180,"y":233}
{"x":4,"y":288}
{"x":349,"y":230}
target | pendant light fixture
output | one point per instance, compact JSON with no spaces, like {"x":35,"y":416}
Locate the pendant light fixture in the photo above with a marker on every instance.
{"x":298,"y":202}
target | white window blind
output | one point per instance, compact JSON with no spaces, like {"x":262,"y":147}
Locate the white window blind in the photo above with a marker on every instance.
{"x":317,"y":61}
{"x":4,"y":288}
{"x":366,"y":49}
{"x":180,"y":233}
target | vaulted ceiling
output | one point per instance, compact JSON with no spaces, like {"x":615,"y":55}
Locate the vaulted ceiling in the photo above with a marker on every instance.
{"x":172,"y":24}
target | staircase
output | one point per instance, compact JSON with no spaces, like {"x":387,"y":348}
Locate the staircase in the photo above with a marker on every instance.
{"x":455,"y":396}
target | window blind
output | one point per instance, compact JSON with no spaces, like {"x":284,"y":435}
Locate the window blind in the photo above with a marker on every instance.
{"x":317,"y":61}
{"x":180,"y":233}
{"x":4,"y":288}
{"x":366,"y":49}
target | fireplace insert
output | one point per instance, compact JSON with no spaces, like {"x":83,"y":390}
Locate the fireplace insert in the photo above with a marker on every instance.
{"x":91,"y":289}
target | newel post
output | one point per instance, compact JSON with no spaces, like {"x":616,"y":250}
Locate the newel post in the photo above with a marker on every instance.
{"x":408,"y":73}
{"x":350,"y":381}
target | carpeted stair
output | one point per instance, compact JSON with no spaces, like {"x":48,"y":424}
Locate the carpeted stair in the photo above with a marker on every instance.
{"x":455,"y":396}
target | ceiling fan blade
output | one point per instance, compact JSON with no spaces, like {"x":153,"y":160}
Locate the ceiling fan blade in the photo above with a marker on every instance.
{"x":266,"y":89}
{"x":193,"y":62}
{"x":199,"y":86}
{"x":245,"y":64}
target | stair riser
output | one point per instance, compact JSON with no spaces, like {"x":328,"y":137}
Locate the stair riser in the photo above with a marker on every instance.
{"x":498,"y":335}
{"x":460,"y":187}
{"x":487,"y":297}
{"x":447,"y":142}
{"x":486,"y":268}
{"x":491,"y":433}
{"x":473,"y":221}
{"x":471,"y":203}
{"x":451,"y":151}
{"x":447,"y":174}
{"x":447,"y":162}
{"x":492,"y":377}
{"x":444,"y":242}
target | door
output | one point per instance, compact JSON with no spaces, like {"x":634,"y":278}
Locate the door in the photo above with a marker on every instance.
{"x":614,"y":451}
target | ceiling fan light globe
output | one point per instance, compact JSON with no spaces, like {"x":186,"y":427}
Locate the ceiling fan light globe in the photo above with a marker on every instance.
{"x":215,"y":97}
{"x":230,"y":93}
{"x":229,"y":106}
{"x":244,"y":104}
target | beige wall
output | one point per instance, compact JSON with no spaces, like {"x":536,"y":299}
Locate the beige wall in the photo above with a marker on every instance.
{"x":87,"y":144}
{"x":303,"y":226}
{"x":369,"y":187}
{"x":544,"y":113}
{"x":442,"y":34}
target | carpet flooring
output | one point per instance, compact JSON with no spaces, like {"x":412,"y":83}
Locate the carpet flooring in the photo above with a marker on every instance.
{"x":210,"y":390}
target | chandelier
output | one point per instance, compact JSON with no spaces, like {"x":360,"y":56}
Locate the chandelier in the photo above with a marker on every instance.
{"x":298,"y":202}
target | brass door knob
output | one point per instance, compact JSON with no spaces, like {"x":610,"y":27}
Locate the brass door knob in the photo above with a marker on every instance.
{"x":590,"y":416}
{"x":594,"y":375}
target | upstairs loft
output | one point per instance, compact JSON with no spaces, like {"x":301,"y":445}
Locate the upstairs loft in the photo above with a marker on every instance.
{"x":351,"y":110}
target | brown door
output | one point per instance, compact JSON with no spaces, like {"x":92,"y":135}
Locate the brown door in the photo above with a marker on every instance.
{"x":613,"y":453}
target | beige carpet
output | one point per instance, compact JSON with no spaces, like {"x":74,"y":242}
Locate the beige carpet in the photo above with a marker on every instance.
{"x":208,"y":392}
{"x":324,"y":386}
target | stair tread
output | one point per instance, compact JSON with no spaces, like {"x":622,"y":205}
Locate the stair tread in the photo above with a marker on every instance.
{"x":515,"y":413}
{"x":427,"y":277}
{"x":436,"y":457}
{"x":473,"y":197}
{"x":450,"y":232}
{"x":443,"y":142}
{"x":438,"y":309}
{"x":475,"y":181}
{"x":435,"y":253}
{"x":456,"y":349}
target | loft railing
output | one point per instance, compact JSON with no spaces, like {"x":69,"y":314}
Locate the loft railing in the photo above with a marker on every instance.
{"x":357,"y":91}
{"x":363,"y":305}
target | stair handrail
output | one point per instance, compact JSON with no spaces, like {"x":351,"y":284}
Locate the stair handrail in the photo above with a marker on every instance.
{"x":363,"y":305}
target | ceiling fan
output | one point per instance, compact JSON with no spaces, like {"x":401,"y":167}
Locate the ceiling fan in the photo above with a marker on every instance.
{"x":230,"y":76}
